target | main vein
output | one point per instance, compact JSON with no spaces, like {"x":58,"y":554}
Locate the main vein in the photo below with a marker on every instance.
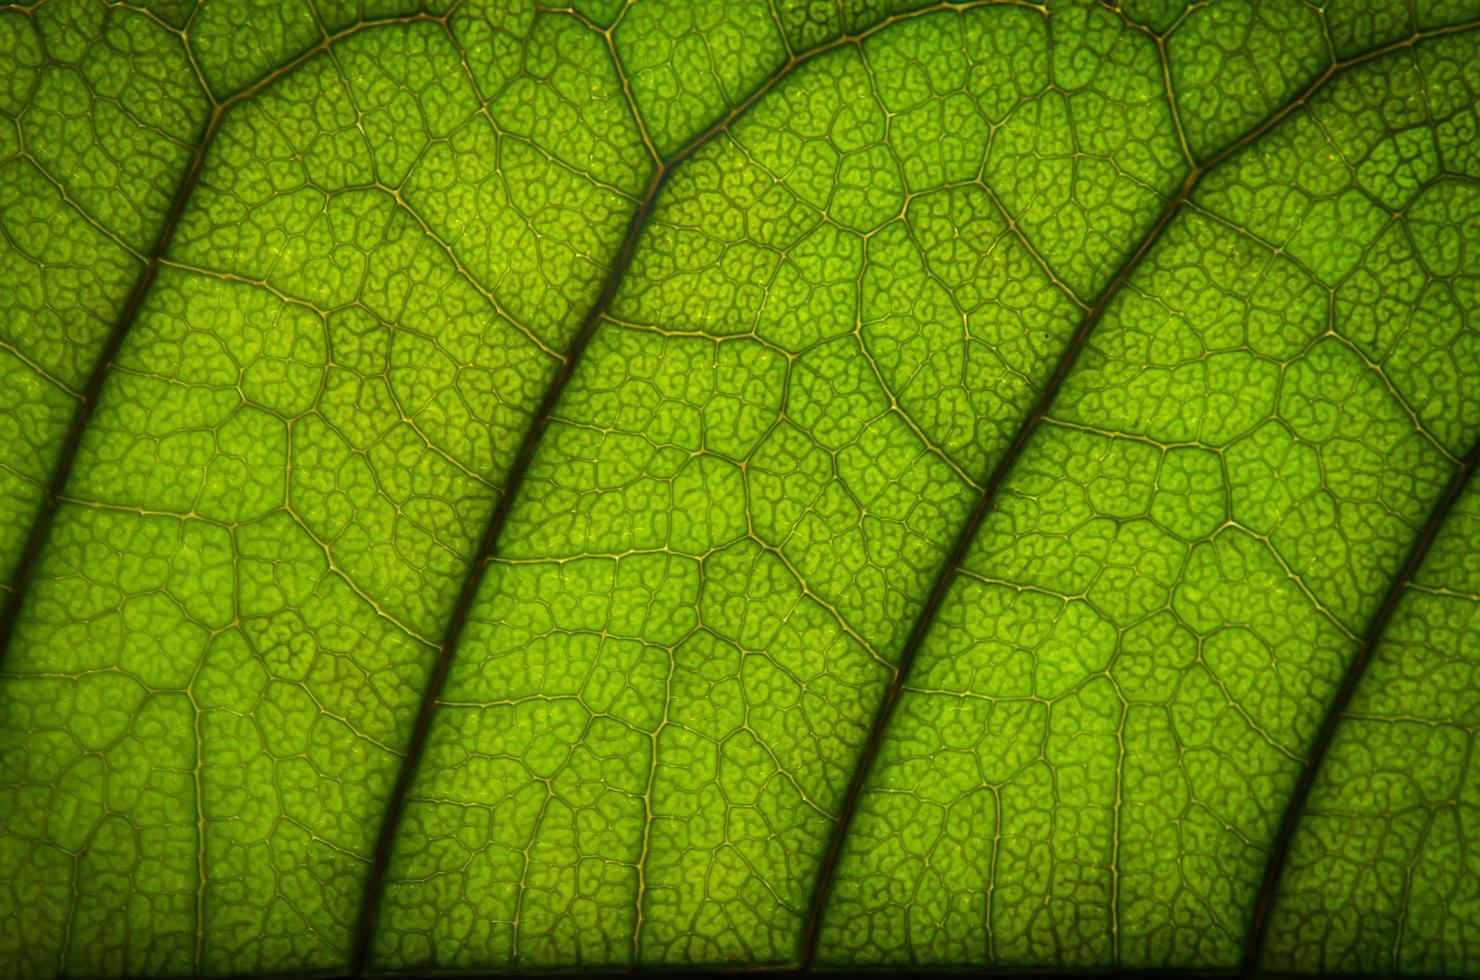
{"x":1320,"y":747}
{"x":993,"y":484}
{"x":129,"y":313}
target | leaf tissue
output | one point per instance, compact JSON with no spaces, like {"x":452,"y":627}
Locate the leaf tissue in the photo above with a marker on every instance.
{"x":794,"y":485}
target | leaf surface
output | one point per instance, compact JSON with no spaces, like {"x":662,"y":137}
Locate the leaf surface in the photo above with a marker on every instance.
{"x":785,"y":484}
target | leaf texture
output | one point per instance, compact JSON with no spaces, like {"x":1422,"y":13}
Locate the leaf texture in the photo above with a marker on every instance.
{"x":783,"y":484}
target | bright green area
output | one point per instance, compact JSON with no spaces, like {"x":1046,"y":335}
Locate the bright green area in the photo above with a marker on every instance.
{"x":880,"y":228}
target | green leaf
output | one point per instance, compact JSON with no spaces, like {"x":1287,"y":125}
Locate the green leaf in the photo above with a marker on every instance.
{"x":703,"y":483}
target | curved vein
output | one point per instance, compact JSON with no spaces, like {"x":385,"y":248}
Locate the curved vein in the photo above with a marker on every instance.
{"x":994,"y":483}
{"x":88,"y":396}
{"x":1336,"y":712}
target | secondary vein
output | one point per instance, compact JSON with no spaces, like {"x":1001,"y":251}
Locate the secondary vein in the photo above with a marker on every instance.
{"x":128,"y":314}
{"x":992,"y":486}
{"x":1320,"y":747}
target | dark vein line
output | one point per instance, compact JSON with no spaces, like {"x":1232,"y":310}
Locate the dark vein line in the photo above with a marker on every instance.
{"x":88,"y":398}
{"x":463,"y":605}
{"x":946,"y":573}
{"x":1320,"y":747}
{"x":993,"y":484}
{"x":107,"y":357}
{"x":498,"y":519}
